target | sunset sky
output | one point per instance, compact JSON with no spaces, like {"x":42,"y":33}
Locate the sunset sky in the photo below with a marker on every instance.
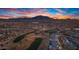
{"x":57,"y":13}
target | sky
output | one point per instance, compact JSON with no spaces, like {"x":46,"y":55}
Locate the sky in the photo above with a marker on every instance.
{"x":57,"y":13}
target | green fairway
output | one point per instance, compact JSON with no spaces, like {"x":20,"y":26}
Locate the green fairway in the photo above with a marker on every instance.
{"x":51,"y":31}
{"x":35,"y":44}
{"x":19,"y":38}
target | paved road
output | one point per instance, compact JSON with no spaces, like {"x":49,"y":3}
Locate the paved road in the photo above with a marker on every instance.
{"x":53,"y":41}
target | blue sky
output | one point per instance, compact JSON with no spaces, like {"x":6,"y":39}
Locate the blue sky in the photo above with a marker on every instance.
{"x":23,"y":11}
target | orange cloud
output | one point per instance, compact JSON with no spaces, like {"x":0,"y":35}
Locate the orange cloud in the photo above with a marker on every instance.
{"x":61,"y":16}
{"x":56,"y":16}
{"x":5,"y":17}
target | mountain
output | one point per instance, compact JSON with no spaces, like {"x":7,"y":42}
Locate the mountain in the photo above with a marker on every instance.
{"x":33,"y":19}
{"x":39,"y":19}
